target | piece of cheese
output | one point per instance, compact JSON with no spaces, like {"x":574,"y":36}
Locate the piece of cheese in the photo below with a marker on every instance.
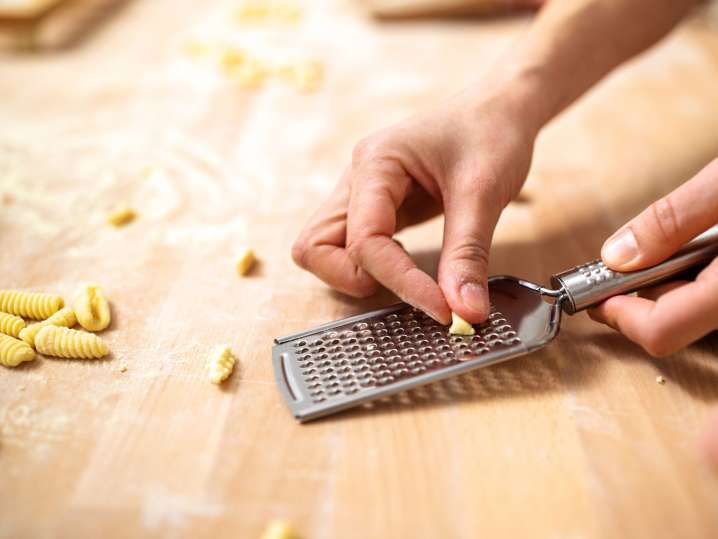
{"x":459,"y":326}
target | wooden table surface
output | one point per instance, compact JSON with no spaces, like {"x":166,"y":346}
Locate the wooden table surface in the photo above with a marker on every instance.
{"x":575,"y":441}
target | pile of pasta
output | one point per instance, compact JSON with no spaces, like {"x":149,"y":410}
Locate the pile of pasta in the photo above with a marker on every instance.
{"x":52,"y":333}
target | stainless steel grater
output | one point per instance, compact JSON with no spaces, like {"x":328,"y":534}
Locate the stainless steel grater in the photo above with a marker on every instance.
{"x":342,"y":364}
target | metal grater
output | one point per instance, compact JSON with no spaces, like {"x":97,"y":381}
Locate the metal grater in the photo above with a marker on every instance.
{"x":345,"y":363}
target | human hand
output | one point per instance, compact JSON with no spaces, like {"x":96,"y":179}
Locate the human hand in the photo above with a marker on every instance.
{"x":709,"y":440}
{"x":467,"y":159}
{"x":665,"y":318}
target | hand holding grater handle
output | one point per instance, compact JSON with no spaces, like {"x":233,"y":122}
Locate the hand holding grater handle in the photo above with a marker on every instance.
{"x":589,"y":284}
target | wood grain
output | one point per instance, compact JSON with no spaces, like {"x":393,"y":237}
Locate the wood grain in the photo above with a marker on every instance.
{"x":577,"y":440}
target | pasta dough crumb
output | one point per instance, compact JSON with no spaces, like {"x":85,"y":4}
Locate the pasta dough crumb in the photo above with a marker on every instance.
{"x":279,"y":529}
{"x":307,"y":75}
{"x":245,"y":260}
{"x":121,"y":216}
{"x":250,"y":74}
{"x":660,"y":380}
{"x":201,"y":48}
{"x":231,"y":60}
{"x":263,"y":11}
{"x":459,"y":326}
{"x":91,"y":308}
{"x":221,"y":364}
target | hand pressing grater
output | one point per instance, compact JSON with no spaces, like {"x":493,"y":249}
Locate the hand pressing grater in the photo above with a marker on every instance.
{"x":342,"y":364}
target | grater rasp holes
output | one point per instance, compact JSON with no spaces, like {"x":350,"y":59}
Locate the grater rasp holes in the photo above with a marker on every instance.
{"x":365,"y":355}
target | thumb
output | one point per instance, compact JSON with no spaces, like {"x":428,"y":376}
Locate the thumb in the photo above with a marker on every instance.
{"x":666,"y":225}
{"x":470,"y":219}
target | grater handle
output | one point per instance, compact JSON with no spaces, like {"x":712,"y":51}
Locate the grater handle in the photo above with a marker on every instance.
{"x":589,"y":284}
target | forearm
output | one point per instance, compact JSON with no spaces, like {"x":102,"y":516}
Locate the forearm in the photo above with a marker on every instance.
{"x":575,"y":43}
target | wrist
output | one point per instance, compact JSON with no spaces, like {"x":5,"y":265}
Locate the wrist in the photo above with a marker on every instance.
{"x":521,"y":93}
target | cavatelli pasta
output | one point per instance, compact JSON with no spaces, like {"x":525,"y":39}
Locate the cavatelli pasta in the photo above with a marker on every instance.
{"x":64,"y":318}
{"x":30,"y":304}
{"x":11,"y":325}
{"x":14,"y":351}
{"x":221,"y":364}
{"x":69,"y":343}
{"x":91,"y":308}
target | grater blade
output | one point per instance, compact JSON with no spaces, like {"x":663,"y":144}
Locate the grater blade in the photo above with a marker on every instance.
{"x":345,"y":363}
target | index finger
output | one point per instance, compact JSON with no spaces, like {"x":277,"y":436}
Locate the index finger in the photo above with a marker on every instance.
{"x":377,"y":193}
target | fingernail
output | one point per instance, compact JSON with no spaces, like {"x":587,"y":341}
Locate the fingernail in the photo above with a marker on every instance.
{"x":620,"y":249}
{"x":475,"y":297}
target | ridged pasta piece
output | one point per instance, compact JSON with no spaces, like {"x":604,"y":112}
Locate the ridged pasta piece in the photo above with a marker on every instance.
{"x":11,"y":325}
{"x":91,"y":308}
{"x":63,"y":318}
{"x":70,"y":343}
{"x":13,"y":351}
{"x":30,"y":304}
{"x":221,"y":364}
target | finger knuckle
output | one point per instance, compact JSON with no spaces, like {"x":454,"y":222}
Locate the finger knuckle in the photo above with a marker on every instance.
{"x":470,"y":250}
{"x":355,"y":248}
{"x":365,"y":288}
{"x":656,"y":341}
{"x":367,"y":149}
{"x":482,"y":177}
{"x":487,"y":190}
{"x":666,"y":219}
{"x":300,"y":249}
